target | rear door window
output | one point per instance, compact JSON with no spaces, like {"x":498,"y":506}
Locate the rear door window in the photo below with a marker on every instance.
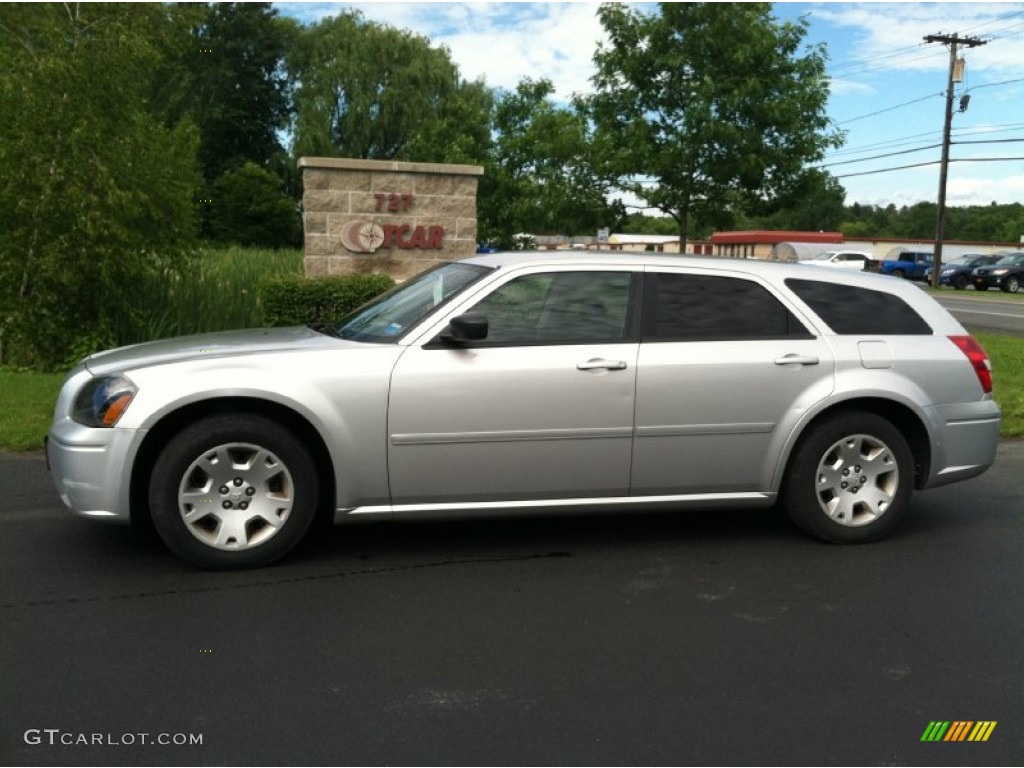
{"x":689,"y":307}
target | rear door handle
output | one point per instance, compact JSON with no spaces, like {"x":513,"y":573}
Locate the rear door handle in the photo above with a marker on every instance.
{"x":599,"y":363}
{"x":797,"y":360}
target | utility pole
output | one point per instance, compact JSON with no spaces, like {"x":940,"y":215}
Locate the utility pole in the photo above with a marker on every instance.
{"x":952,"y":41}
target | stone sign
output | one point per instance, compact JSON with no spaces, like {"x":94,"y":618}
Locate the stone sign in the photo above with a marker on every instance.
{"x":389,"y":217}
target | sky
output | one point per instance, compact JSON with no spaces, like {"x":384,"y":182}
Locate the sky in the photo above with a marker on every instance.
{"x":887,"y":83}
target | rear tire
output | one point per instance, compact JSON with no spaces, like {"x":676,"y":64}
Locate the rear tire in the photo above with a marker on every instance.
{"x":233,"y":491}
{"x":850,"y":478}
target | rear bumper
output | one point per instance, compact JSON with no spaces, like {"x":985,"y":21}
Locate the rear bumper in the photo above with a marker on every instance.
{"x":966,"y":441}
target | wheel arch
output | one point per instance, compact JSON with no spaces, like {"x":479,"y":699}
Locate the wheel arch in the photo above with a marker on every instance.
{"x":898,"y":414}
{"x":173,"y":422}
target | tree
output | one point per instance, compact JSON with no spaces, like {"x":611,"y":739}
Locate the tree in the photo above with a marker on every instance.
{"x":232,"y":81}
{"x":539,"y":178}
{"x":703,"y":106}
{"x":814,"y":203}
{"x":248,"y":206}
{"x":95,"y":190}
{"x":367,"y":90}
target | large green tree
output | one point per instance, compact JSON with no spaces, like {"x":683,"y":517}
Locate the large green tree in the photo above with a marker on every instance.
{"x":539,"y":178}
{"x":367,"y":90}
{"x":230,"y":77}
{"x":94,"y":189}
{"x":699,"y":107}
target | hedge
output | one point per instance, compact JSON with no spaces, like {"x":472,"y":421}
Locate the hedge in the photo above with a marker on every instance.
{"x":304,"y":301}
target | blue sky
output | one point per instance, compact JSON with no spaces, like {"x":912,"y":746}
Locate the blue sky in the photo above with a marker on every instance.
{"x":887,"y":83}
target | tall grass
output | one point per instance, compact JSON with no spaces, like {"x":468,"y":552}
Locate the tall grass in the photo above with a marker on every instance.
{"x":218,"y":291}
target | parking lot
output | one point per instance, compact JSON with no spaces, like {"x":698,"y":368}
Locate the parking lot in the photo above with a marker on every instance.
{"x":702,"y":638}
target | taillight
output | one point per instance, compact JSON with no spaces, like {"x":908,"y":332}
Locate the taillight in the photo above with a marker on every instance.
{"x":979,"y":359}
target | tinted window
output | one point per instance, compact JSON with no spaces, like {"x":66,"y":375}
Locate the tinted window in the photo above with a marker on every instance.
{"x":703,"y":307}
{"x":559,"y":307}
{"x":849,"y":310}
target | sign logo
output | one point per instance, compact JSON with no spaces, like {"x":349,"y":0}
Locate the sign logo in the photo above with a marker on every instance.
{"x":362,"y":236}
{"x":958,"y":730}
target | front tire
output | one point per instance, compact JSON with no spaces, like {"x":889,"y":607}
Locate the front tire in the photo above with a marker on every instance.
{"x":1011,"y":284}
{"x":850,"y":479}
{"x":233,"y":491}
{"x":960,"y":282}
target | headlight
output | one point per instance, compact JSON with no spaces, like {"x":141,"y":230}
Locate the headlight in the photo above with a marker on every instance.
{"x":948,"y":271}
{"x":1000,"y":271}
{"x":101,"y":402}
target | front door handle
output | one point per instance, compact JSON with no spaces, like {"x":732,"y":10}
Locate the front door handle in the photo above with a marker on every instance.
{"x":797,"y":360}
{"x":599,"y":363}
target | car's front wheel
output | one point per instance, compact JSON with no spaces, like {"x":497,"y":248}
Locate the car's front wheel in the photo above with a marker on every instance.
{"x":1012,"y":284}
{"x":960,"y":282}
{"x":850,"y":478}
{"x":233,"y":491}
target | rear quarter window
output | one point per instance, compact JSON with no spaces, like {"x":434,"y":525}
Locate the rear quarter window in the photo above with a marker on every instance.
{"x":850,"y":310}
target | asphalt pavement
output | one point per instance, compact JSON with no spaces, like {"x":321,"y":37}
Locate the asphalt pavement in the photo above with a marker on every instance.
{"x":721,"y":638}
{"x":992,"y":312}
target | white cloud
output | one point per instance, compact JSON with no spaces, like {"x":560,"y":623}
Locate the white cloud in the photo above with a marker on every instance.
{"x":982,"y":191}
{"x":890,"y":36}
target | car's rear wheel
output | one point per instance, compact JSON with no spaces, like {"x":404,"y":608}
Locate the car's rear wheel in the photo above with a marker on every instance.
{"x":1011,"y":284}
{"x":960,"y":282}
{"x":850,"y":478}
{"x":233,"y":491}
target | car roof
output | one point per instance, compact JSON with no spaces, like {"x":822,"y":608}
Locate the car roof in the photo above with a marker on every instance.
{"x":777,"y":270}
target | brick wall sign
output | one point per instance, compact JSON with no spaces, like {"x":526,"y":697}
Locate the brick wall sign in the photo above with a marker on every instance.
{"x":389,"y":217}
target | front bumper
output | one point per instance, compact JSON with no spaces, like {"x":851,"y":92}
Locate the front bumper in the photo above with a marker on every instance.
{"x":987,"y":281}
{"x":91,"y":469}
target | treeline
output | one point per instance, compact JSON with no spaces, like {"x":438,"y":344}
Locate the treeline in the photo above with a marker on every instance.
{"x":133,"y":133}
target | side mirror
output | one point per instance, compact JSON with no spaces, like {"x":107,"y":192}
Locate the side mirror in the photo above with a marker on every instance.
{"x":468,"y":327}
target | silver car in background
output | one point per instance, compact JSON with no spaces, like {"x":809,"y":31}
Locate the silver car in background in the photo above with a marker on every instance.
{"x":530,"y":383}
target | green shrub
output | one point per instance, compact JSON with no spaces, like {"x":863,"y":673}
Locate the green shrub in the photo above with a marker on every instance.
{"x":301,"y":301}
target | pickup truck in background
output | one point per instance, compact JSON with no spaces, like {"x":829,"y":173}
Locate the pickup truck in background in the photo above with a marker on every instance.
{"x":904,"y":262}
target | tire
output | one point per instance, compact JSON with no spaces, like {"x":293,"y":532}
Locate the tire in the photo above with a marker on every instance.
{"x":1011,"y":284}
{"x":233,"y":491}
{"x":865,"y":452}
{"x":898,"y":273}
{"x":960,"y":282}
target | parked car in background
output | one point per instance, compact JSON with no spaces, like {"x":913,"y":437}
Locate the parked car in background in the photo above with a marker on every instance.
{"x":957,"y":272}
{"x":856,"y":260}
{"x":526,"y":383}
{"x":906,"y":262}
{"x":1007,"y":274}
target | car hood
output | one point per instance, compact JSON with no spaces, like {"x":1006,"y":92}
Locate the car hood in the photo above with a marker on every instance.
{"x":210,"y":345}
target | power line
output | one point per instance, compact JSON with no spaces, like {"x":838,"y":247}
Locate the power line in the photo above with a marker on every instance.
{"x":930,"y":162}
{"x":889,"y":109}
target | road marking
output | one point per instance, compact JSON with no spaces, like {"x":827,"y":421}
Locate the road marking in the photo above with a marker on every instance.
{"x":994,"y":314}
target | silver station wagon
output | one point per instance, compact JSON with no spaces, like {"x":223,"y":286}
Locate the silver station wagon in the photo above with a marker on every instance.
{"x":538,"y":383}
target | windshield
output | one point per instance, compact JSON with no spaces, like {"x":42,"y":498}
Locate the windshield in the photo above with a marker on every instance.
{"x":388,"y":316}
{"x":1013,"y":260}
{"x":824,"y":256}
